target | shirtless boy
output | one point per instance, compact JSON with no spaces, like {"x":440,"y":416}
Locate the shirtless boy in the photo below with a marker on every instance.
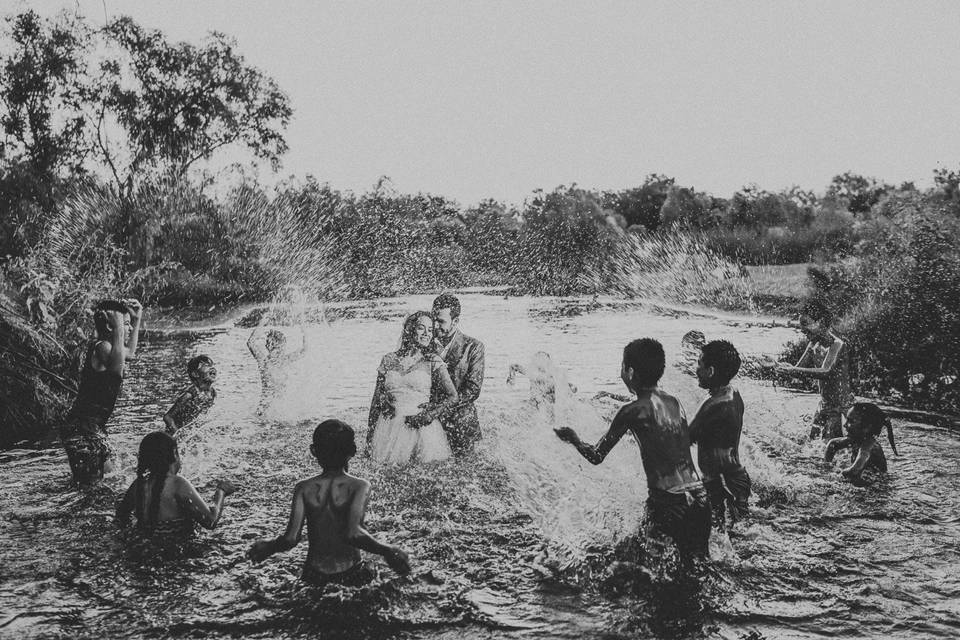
{"x":269,"y":349}
{"x":677,"y":504}
{"x":333,"y":505}
{"x":716,"y":429}
{"x":826,"y":359}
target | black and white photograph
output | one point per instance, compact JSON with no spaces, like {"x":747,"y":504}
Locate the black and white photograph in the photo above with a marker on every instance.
{"x":479,"y":319}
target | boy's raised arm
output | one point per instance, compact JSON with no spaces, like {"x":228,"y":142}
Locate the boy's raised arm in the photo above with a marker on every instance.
{"x":595,"y":454}
{"x":829,"y":362}
{"x":136,"y":311}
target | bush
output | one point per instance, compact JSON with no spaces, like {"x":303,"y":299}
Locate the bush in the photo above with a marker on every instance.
{"x":899,"y":301}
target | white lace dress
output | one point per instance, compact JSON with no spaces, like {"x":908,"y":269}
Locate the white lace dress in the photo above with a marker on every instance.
{"x":404,"y":391}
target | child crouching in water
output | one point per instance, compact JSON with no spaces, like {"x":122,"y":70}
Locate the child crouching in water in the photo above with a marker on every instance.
{"x":163,"y":501}
{"x":865,"y":421}
{"x":333,"y":505}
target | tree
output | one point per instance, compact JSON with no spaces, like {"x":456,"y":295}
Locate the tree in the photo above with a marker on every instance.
{"x":179,"y":103}
{"x":857,"y":192}
{"x":683,"y":209}
{"x":641,"y":205}
{"x":41,"y":84}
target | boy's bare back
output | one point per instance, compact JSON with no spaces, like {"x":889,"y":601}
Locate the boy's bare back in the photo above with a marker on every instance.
{"x":329,"y":503}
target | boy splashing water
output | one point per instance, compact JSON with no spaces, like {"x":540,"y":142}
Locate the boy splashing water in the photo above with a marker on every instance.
{"x":716,"y":429}
{"x":333,"y":505}
{"x":677,"y":505}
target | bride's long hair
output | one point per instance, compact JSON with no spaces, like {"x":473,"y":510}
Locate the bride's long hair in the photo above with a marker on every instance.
{"x":408,"y":339}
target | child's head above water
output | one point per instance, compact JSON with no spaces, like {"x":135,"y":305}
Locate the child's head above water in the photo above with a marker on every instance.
{"x":202,"y":371}
{"x":719,"y":362}
{"x":815,"y":318}
{"x":100,"y":321}
{"x":643,"y":363}
{"x":333,"y":444}
{"x":867,"y":419}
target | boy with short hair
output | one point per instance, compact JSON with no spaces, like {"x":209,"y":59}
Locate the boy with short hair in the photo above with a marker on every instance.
{"x":677,"y":502}
{"x":716,"y":429}
{"x":84,"y":433}
{"x":332,"y":505}
{"x":196,"y":399}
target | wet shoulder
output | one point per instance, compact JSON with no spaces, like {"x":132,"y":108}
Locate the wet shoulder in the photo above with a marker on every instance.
{"x":635,"y":413}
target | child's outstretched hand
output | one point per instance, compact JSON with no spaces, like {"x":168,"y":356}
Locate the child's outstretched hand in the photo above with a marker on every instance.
{"x":398,"y":560}
{"x":226,"y":486}
{"x":260,"y":550}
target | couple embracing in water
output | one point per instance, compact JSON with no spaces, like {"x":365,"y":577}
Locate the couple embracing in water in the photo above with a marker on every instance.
{"x":423,"y":405}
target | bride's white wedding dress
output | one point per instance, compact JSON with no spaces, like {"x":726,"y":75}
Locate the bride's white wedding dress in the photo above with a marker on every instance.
{"x":405,"y":390}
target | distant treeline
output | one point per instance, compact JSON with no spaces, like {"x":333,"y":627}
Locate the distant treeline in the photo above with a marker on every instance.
{"x":105,"y":132}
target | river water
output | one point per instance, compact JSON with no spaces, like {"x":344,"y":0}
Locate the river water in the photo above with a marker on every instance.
{"x":518,"y":541}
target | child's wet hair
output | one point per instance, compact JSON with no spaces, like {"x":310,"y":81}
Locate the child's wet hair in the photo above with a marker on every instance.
{"x":334,"y":443}
{"x":100,"y":323}
{"x":158,"y":450}
{"x":645,"y":356}
{"x":723,"y":357}
{"x":193,"y":366}
{"x":275,"y":339}
{"x":874,"y":420}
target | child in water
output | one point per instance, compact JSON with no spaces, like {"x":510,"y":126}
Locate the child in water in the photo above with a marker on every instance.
{"x":677,"y":505}
{"x":84,"y":434}
{"x":197,"y":398}
{"x":544,"y":378}
{"x":716,"y":429}
{"x":333,"y":505}
{"x":865,"y":421}
{"x":270,"y":351}
{"x":163,"y":501}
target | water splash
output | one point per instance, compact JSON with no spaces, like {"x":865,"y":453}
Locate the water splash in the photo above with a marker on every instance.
{"x":678,"y":268}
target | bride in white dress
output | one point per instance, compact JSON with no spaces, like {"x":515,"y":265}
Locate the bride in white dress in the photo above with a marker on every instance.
{"x":401,"y":428}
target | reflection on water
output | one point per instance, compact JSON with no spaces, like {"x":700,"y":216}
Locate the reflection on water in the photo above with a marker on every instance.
{"x":525,"y":539}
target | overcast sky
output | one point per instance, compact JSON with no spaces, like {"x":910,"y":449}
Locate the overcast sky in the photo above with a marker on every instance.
{"x":495,"y":99}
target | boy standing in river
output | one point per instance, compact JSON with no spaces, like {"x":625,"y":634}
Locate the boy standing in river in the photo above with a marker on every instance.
{"x":677,"y":505}
{"x":332,"y":505}
{"x":826,"y":359}
{"x":716,"y":429}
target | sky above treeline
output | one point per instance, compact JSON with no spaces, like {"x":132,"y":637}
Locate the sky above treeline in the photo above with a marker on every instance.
{"x":476,"y":100}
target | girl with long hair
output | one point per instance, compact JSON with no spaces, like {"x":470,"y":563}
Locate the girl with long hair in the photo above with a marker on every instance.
{"x":163,"y":501}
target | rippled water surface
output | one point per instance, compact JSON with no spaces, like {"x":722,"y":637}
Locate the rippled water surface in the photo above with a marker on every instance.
{"x":521,"y":540}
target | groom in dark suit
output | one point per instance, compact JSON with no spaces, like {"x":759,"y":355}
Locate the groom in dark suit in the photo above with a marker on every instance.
{"x":464,"y":358}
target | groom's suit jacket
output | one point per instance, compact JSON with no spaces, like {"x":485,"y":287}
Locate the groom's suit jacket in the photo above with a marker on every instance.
{"x":464,"y":358}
